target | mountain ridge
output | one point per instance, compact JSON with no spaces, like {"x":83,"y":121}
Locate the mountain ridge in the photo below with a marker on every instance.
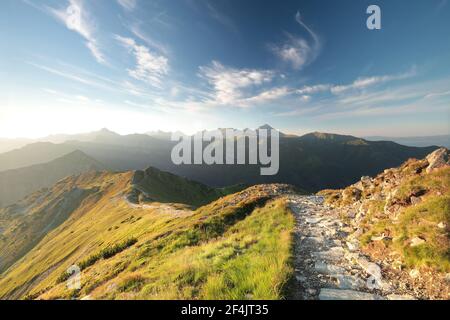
{"x":18,"y":183}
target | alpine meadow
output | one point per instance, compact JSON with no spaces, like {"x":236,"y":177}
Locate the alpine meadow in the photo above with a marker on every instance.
{"x":223,"y":158}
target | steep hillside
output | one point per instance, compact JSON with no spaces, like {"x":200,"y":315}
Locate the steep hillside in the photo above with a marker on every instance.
{"x":402,"y":217}
{"x":16,"y":184}
{"x":155,"y":185}
{"x":237,"y":247}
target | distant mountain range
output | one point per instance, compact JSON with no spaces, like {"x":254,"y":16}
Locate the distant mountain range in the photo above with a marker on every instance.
{"x":15,"y":184}
{"x":441,"y":140}
{"x":311,"y":162}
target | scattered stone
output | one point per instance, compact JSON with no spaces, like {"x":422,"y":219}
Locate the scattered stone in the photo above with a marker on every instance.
{"x":352,"y":245}
{"x":417,"y":241}
{"x":312,"y":291}
{"x":300,"y":278}
{"x":414,"y":273}
{"x":313,"y":220}
{"x":379,"y":238}
{"x":349,"y":282}
{"x":442,"y":225}
{"x":337,"y":294}
{"x":415,"y":200}
{"x":351,"y":214}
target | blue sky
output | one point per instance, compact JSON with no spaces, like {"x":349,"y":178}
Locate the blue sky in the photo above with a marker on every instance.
{"x":142,"y":65}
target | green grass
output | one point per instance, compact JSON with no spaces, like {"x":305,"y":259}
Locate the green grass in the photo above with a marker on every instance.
{"x":418,"y":221}
{"x":237,"y":247}
{"x":422,"y":221}
{"x":249,"y":261}
{"x":105,"y":253}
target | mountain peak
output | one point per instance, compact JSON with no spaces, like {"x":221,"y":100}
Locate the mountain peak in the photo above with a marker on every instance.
{"x":266,"y":126}
{"x":106,"y":131}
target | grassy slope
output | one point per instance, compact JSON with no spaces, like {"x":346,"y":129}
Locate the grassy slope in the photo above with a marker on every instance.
{"x":235,"y":247}
{"x":156,"y":185}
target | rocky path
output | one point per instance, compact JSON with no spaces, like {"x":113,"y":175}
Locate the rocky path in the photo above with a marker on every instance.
{"x":328,"y":266}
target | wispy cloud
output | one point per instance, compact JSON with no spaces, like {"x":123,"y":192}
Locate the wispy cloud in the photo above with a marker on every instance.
{"x":152,"y":43}
{"x":357,"y":85}
{"x":220,"y":17}
{"x":362,"y":83}
{"x":229,"y":83}
{"x":77,"y":18}
{"x":150,"y":66}
{"x":381,"y":101}
{"x":74,"y":77}
{"x":266,"y":96}
{"x":297,"y":51}
{"x":128,"y":5}
{"x":437,"y":94}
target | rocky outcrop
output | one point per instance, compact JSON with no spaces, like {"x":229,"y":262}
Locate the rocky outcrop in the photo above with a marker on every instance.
{"x":438,"y":159}
{"x":383,"y":222}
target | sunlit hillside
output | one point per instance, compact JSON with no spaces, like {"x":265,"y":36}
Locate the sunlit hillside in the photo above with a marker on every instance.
{"x":236,"y":247}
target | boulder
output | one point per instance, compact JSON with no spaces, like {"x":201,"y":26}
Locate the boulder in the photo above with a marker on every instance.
{"x":416,"y":241}
{"x":438,"y":159}
{"x":442,"y":225}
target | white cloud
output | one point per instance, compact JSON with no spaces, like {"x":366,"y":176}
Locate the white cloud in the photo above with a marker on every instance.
{"x":128,"y":4}
{"x":77,"y":19}
{"x":305,"y":98}
{"x":150,"y":67}
{"x":228,"y":83}
{"x":297,"y":51}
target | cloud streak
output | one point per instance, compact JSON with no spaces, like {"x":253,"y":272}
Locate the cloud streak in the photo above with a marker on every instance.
{"x":76,"y":18}
{"x":128,"y":5}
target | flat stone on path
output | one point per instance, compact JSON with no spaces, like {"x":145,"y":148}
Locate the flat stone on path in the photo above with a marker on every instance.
{"x":313,"y":220}
{"x":328,"y":268}
{"x":337,"y":294}
{"x":333,"y":254}
{"x":349,"y":282}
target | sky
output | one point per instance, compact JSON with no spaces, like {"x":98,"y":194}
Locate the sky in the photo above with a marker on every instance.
{"x":69,"y":66}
